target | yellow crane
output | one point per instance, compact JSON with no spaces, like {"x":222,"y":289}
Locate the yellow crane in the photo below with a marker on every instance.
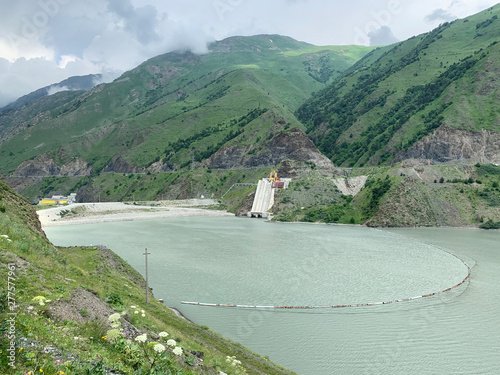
{"x":273,"y":176}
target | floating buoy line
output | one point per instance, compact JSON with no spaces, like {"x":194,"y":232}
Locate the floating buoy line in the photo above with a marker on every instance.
{"x":230,"y":305}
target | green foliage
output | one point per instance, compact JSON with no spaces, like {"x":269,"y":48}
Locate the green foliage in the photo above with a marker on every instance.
{"x":486,"y":23}
{"x":487,"y":169}
{"x":375,"y":189}
{"x":3,"y":302}
{"x":331,"y":214}
{"x":490,"y":224}
{"x":492,"y":197}
{"x":114,"y":299}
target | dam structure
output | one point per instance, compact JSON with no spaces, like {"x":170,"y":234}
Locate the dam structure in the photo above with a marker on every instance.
{"x":264,"y":196}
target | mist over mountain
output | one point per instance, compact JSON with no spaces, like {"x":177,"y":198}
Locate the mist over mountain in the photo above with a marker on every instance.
{"x":77,"y":83}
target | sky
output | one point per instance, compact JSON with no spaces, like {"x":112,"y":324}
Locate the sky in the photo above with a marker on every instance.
{"x":46,"y":41}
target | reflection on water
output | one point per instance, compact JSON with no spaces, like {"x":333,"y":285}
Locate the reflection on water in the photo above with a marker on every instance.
{"x":229,"y":260}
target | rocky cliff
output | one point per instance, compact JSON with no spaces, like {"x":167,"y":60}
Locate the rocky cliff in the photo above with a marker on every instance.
{"x":447,"y":144}
{"x":46,"y":166}
{"x":292,"y":144}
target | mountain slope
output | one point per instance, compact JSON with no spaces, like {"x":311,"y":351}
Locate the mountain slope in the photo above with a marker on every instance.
{"x":77,"y":83}
{"x":395,"y":96}
{"x":175,"y":109}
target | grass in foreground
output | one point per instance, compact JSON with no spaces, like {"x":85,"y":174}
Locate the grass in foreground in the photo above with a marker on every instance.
{"x":81,"y":311}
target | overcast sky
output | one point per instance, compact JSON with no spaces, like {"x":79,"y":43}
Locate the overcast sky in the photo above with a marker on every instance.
{"x":45,"y":41}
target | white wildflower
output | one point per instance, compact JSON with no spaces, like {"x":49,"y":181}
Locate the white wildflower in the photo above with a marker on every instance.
{"x":40,"y":300}
{"x":177,"y":350}
{"x":136,"y":312}
{"x":133,"y":307}
{"x":163,"y":334}
{"x":113,"y":334}
{"x":4,"y":236}
{"x":114,"y":317}
{"x":233,"y":361}
{"x":141,"y":338}
{"x":143,"y":315}
{"x":171,"y":342}
{"x":159,"y":348}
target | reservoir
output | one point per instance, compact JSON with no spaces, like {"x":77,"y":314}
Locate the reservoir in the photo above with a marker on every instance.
{"x":225,"y":260}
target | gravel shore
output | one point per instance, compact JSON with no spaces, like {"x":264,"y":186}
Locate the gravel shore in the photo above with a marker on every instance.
{"x":90,"y":213}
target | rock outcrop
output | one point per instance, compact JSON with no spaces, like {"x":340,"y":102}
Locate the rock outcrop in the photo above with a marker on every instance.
{"x":118,"y":165}
{"x":292,"y":144}
{"x":448,"y":144}
{"x":46,"y":167}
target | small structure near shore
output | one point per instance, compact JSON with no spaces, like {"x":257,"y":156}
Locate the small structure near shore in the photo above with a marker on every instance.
{"x":264,"y":196}
{"x":59,"y":199}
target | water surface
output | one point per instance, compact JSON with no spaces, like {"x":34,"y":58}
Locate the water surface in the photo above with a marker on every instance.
{"x":241,"y":261}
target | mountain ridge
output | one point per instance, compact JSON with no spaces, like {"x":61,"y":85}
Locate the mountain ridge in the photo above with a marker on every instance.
{"x":394,"y":96}
{"x":74,"y":83}
{"x":175,"y":111}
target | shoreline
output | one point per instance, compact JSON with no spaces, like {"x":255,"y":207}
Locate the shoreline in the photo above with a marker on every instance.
{"x":92,"y":213}
{"x":366,"y":226}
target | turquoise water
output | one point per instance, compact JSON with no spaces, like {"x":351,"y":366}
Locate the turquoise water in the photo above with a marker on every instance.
{"x":242,"y":261}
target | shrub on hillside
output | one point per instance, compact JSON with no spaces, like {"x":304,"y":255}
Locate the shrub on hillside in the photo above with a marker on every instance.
{"x":490,"y":224}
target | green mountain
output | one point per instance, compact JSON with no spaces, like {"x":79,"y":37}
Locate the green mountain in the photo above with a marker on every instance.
{"x":433,"y":97}
{"x":220,"y":110}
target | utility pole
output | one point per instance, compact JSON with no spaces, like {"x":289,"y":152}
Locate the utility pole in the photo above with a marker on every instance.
{"x":147,"y":284}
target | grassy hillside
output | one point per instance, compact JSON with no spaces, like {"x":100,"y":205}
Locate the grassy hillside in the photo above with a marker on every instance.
{"x":459,"y":195}
{"x":169,"y":112}
{"x":176,"y":96}
{"x":396,"y":95}
{"x":64,"y":298}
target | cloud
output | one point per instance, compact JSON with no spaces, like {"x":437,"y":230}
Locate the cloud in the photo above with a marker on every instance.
{"x":46,"y":41}
{"x":23,"y":76}
{"x":55,"y":89}
{"x":383,"y":36}
{"x":141,"y":22}
{"x":440,"y":15}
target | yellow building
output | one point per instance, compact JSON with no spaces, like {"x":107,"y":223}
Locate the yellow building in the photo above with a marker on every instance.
{"x":48,"y":201}
{"x":59,"y":199}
